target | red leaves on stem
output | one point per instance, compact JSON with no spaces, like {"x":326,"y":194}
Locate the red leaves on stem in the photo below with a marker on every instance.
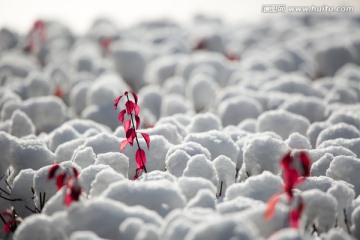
{"x":13,"y":220}
{"x":292,"y":177}
{"x":131,"y":125}
{"x":68,"y":181}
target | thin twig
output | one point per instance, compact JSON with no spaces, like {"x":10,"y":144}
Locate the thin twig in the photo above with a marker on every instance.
{"x":346,"y":222}
{"x":2,"y":218}
{"x":11,"y":200}
{"x":33,"y":211}
{"x":7,"y":183}
{"x":236,"y":174}
{"x":219,"y":194}
{"x":315,"y":229}
{"x":4,"y":191}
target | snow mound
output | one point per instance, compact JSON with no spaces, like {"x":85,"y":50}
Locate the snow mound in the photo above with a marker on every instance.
{"x":340,"y":130}
{"x":118,"y":161}
{"x":84,"y":157}
{"x":177,"y":162}
{"x":320,"y":209}
{"x":190,"y":148}
{"x":191,"y":185}
{"x":234,"y":110}
{"x":103,"y":179}
{"x":47,"y":113}
{"x":217,"y":142}
{"x":159,"y":196}
{"x":345,"y":168}
{"x":263,"y":153}
{"x":21,"y":124}
{"x":282,"y":122}
{"x":222,"y":229}
{"x":204,"y":122}
{"x":200,"y":166}
{"x":298,"y":141}
{"x":260,"y":187}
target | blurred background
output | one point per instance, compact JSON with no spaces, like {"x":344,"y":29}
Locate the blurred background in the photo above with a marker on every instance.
{"x":78,"y":14}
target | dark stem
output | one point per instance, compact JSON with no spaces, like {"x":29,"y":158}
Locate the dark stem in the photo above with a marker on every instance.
{"x":315,"y":229}
{"x":136,"y":138}
{"x":11,"y":200}
{"x":219,"y":194}
{"x":7,"y":184}
{"x":33,"y":211}
{"x":346,"y":222}
{"x":4,"y":191}
{"x":2,"y":219}
{"x":237,"y":173}
{"x":42,"y":200}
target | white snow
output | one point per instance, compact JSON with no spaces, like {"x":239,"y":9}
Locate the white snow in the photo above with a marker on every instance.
{"x":222,"y":104}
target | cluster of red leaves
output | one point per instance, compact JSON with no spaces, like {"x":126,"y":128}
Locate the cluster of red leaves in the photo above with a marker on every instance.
{"x":292,"y":177}
{"x":67,"y":180}
{"x":13,"y":220}
{"x":131,"y":125}
{"x":37,"y":36}
{"x":59,"y":92}
{"x":105,"y":43}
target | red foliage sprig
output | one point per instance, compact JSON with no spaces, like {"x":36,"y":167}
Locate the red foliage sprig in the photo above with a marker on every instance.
{"x":68,"y":181}
{"x":13,"y":220}
{"x":292,"y":177}
{"x":37,"y":36}
{"x":131,"y":110}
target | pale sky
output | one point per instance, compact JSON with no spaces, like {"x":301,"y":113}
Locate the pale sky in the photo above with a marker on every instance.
{"x":78,"y":14}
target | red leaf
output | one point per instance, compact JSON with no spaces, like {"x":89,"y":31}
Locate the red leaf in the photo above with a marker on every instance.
{"x":7,"y":213}
{"x":290,"y":178}
{"x":130,"y":135}
{"x":60,"y":180}
{"x":295,"y":215}
{"x":135,"y":97}
{"x":68,"y":199}
{"x":136,"y":109}
{"x":105,"y":43}
{"x":138,"y":172}
{"x":123,"y":144}
{"x":147,"y":139}
{"x":52,"y":170}
{"x":7,"y":227}
{"x":286,"y":161}
{"x":117,"y":100}
{"x":59,"y":92}
{"x":137,"y":120}
{"x":140,"y":158}
{"x":121,"y":116}
{"x":130,"y":105}
{"x":305,"y":163}
{"x":127,"y":125}
{"x":270,"y":208}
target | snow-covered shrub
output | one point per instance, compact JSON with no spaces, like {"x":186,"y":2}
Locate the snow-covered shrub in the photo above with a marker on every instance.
{"x":282,"y":122}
